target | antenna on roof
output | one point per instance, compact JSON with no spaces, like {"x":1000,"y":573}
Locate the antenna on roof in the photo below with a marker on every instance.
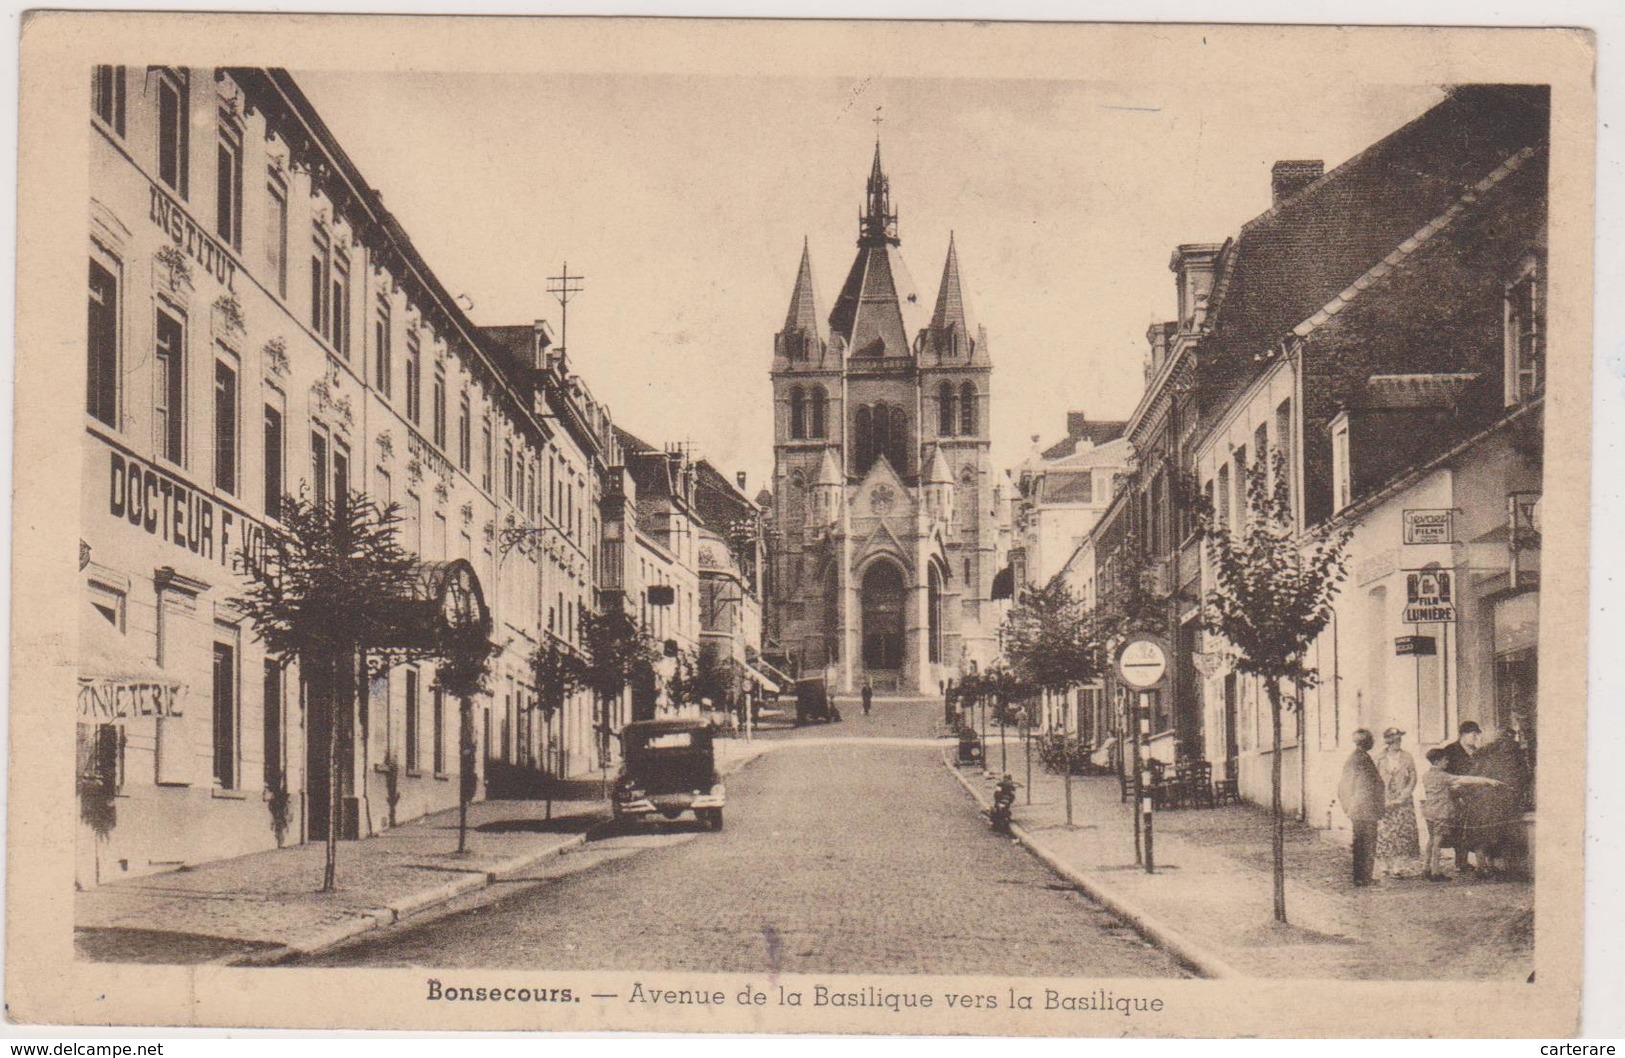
{"x":563,"y":288}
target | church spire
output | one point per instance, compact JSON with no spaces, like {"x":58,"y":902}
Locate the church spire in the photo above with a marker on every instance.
{"x":878,"y":225}
{"x":952,"y":308}
{"x":803,"y":315}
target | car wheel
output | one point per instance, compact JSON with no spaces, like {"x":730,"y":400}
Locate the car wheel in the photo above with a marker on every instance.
{"x":716,"y":819}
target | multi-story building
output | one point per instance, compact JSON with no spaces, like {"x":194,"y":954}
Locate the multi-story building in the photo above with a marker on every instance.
{"x":883,"y":525}
{"x":259,"y":325}
{"x":1060,"y":493}
{"x":730,"y":560}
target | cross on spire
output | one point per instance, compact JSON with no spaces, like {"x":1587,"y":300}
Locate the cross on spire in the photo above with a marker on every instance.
{"x":877,"y":119}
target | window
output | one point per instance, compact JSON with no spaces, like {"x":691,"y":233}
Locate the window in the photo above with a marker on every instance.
{"x":319,"y":467}
{"x":174,"y":129}
{"x":228,"y":183}
{"x":273,"y":461}
{"x":320,"y":264}
{"x":411,"y":530}
{"x":798,"y":413}
{"x":438,"y":705}
{"x":1283,"y":434}
{"x":507,"y":470}
{"x":1241,"y":486}
{"x":383,"y":367}
{"x":225,"y":425}
{"x":488,"y":457}
{"x":272,"y":725}
{"x":107,"y":96}
{"x":169,"y":409}
{"x":101,"y":391}
{"x":967,"y":409}
{"x":414,"y":370}
{"x":1221,"y":510}
{"x":341,"y":304}
{"x":947,"y":414}
{"x":1342,"y":487}
{"x":341,"y":477}
{"x":276,"y":234}
{"x":819,"y":401}
{"x":465,"y":438}
{"x":437,"y":408}
{"x":225,"y":716}
{"x":1525,"y":340}
{"x":1261,"y":449}
{"x":441,"y":546}
{"x":411,"y":720}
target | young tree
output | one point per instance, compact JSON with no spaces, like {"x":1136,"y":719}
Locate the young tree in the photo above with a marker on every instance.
{"x":618,"y":653}
{"x":462,"y":675}
{"x":1051,"y":643}
{"x":1275,"y":586}
{"x":327,"y":589}
{"x":559,"y":673}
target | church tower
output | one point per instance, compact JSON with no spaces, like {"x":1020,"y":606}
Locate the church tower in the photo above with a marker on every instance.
{"x":883,"y":524}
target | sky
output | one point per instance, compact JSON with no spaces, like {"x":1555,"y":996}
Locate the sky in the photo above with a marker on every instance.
{"x":683,"y":202}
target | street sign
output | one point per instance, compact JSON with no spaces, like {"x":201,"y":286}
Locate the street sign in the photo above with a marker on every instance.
{"x":1143,"y":662}
{"x":1417,"y":646}
{"x":1429,"y":597}
{"x":1430,"y":526}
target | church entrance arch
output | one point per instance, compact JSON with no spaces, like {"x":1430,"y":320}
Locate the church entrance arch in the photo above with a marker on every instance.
{"x":884,"y":593}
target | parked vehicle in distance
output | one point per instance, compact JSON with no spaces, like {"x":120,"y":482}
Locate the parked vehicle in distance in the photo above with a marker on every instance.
{"x":669,"y":767}
{"x":813,"y":704}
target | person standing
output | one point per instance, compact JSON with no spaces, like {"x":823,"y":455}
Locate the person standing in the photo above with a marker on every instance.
{"x":1397,"y":840}
{"x":1361,"y":794}
{"x":868,"y":697}
{"x":1458,"y":760}
{"x":1439,"y":789}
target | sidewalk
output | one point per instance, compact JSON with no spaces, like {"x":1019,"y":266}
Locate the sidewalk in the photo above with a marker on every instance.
{"x":265,"y":907}
{"x":1210,"y":899}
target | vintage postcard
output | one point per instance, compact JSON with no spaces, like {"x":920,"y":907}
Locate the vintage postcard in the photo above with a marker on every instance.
{"x":795,"y":526}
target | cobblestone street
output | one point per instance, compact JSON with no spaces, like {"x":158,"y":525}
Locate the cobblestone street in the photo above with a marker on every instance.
{"x":838,"y":857}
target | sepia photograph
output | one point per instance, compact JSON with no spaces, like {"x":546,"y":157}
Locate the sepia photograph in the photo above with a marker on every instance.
{"x":544,"y":558}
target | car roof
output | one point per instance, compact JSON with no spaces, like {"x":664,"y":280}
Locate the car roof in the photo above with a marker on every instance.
{"x":660,"y":727}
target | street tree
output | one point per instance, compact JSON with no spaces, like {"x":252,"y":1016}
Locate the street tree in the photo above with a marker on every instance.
{"x":618,"y":653}
{"x":1274,"y":589}
{"x":462,"y":674}
{"x":559,"y":671}
{"x":329,"y":588}
{"x":1052,"y":645}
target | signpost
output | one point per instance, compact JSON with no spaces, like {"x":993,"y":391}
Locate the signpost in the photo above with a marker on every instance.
{"x":1143,"y":665}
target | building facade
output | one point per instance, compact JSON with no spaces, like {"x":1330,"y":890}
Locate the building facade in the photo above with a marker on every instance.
{"x":883,"y":545}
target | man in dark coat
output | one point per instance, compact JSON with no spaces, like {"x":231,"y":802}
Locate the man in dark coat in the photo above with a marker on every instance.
{"x":1361,"y":793}
{"x":1458,"y":760}
{"x":868,"y":697}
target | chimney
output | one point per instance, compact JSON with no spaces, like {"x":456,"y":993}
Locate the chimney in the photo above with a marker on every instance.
{"x":1076,"y":423}
{"x":739,"y":478}
{"x":1288,"y":178}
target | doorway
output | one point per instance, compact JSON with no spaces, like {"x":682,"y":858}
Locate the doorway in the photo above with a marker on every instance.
{"x":883,"y":593}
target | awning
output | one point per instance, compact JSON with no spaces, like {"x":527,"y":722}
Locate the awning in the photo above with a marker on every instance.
{"x":760,"y":679}
{"x":115,"y":681}
{"x":774,"y":673}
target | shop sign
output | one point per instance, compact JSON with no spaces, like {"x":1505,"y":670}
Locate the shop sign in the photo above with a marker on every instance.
{"x":1418,"y":646}
{"x":1430,"y":526}
{"x":103,"y":700}
{"x":191,"y":239}
{"x":1429,"y":597}
{"x":179,"y":513}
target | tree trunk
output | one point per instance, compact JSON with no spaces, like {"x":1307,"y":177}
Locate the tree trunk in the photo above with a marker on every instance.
{"x":1277,"y":820}
{"x":1067,"y":724}
{"x":465,"y":773}
{"x":334,"y":694}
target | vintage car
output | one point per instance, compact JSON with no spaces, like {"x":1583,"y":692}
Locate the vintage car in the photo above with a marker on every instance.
{"x":813,"y":704}
{"x":669,"y":767}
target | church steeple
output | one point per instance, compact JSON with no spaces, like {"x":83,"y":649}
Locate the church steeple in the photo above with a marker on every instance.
{"x":803,"y":314}
{"x":878,"y":225}
{"x":953,"y":334}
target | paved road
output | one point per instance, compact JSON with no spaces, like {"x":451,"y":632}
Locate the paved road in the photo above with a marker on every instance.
{"x":841,"y":854}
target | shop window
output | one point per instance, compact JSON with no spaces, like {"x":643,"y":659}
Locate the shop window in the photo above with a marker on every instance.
{"x":1525,"y":335}
{"x":107,"y":96}
{"x":225,"y":716}
{"x":272,"y":725}
{"x":100,"y":758}
{"x":438,"y":731}
{"x":169,"y":410}
{"x":228,"y":179}
{"x":225,"y":425}
{"x":174,"y":128}
{"x":102,"y":342}
{"x":411,"y":720}
{"x":276,"y":234}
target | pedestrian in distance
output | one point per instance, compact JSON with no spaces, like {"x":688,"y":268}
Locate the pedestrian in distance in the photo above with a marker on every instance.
{"x":1440,"y":808}
{"x":1361,"y":794}
{"x":868,"y":697}
{"x":1458,"y":760}
{"x":1397,"y":844}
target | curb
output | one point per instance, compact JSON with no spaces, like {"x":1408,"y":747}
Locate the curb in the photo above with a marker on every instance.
{"x":1176,"y":943}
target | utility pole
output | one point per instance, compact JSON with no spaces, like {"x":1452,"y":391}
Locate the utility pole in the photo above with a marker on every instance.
{"x":563,"y":287}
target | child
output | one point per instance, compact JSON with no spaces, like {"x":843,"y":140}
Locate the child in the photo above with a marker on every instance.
{"x":1439,"y":805}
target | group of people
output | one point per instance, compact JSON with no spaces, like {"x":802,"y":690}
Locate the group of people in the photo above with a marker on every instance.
{"x":1473,"y":796}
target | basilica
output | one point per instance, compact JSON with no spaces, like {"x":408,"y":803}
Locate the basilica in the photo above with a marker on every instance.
{"x":885,"y":513}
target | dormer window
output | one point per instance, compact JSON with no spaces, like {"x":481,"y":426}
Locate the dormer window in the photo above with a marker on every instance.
{"x":1525,"y":336}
